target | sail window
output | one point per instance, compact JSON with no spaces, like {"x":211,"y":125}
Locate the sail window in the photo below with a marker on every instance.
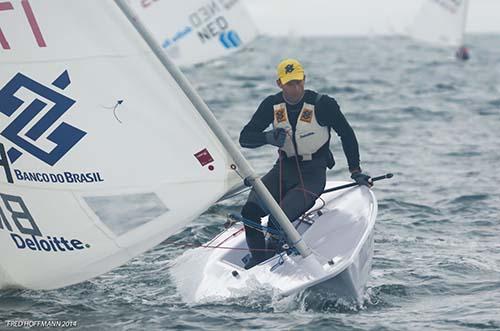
{"x":123,"y":213}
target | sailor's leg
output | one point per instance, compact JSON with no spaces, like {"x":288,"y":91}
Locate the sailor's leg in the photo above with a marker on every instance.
{"x":298,"y":199}
{"x":254,"y":210}
{"x":255,"y":238}
{"x":294,"y":205}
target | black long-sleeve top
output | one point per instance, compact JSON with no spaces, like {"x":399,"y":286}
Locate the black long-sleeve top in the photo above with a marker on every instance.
{"x":327,"y":113}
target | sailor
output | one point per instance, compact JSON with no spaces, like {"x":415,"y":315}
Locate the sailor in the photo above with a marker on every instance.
{"x":462,"y":53}
{"x":301,"y":121}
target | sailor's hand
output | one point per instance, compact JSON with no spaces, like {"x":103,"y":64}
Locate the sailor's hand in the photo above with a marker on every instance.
{"x":362,"y":179}
{"x":276,"y":137}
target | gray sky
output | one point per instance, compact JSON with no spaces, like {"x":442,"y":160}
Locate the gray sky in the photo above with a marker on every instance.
{"x":356,"y":17}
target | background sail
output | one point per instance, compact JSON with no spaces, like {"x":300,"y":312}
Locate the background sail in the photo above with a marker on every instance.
{"x":195,"y":31}
{"x":102,"y":156}
{"x":440,"y":22}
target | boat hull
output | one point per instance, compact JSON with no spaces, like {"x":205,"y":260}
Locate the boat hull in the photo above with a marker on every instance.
{"x":340,"y":234}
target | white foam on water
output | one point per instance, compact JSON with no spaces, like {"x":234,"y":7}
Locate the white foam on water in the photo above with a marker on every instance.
{"x":185,"y":274}
{"x":191,"y":284}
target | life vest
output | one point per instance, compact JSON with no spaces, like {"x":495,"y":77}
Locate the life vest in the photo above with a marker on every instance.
{"x":309,"y":135}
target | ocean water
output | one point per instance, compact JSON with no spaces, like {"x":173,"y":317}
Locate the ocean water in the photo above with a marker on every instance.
{"x":432,"y":121}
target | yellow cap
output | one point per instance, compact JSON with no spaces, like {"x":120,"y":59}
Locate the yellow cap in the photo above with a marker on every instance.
{"x":290,"y":69}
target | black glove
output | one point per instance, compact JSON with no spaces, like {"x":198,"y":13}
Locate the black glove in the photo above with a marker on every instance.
{"x":276,"y":137}
{"x":362,"y":179}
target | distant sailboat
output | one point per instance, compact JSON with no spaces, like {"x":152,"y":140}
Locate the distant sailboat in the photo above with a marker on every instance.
{"x":442,"y":23}
{"x":196,"y":31}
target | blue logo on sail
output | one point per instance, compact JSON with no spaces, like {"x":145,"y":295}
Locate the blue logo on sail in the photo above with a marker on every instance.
{"x":64,"y":136}
{"x":230,"y":39}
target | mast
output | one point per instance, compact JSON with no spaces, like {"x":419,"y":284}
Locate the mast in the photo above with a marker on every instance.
{"x":246,"y":170}
{"x":464,"y":22}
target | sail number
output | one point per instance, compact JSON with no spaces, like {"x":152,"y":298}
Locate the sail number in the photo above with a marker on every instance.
{"x":4,"y":162}
{"x":30,"y":16}
{"x":19,"y":214}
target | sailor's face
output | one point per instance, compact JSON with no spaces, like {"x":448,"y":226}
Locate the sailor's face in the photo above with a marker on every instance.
{"x":293,"y":90}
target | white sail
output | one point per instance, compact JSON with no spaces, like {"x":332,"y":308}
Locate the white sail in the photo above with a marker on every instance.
{"x":101,"y":151}
{"x":196,"y":31}
{"x":440,"y":22}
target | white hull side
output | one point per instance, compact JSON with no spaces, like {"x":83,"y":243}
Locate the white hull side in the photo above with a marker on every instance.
{"x":350,"y":283}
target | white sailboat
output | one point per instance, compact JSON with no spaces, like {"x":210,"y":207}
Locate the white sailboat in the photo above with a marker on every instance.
{"x":196,"y":31}
{"x":441,"y":23}
{"x":339,"y":230}
{"x":102,"y":136}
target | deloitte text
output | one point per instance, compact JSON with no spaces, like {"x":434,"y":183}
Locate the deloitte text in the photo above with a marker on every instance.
{"x":48,"y":245}
{"x":30,"y":237}
{"x":65,"y":177}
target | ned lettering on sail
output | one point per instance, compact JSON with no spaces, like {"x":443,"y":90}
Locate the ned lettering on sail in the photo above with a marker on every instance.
{"x":208,"y":24}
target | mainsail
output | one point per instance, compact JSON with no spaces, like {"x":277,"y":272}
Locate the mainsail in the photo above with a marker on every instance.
{"x":441,"y":22}
{"x":100,"y":148}
{"x":195,"y":31}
